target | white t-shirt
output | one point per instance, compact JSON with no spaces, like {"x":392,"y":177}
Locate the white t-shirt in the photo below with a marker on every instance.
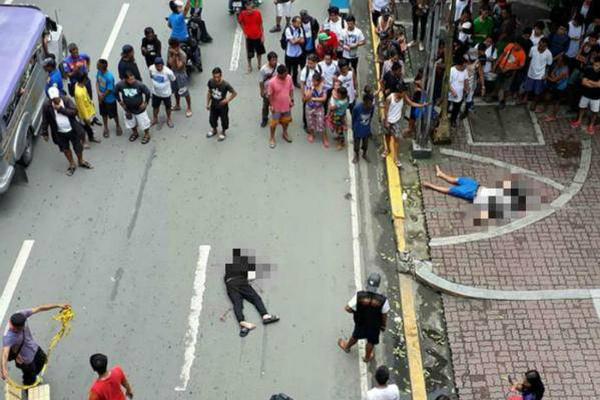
{"x":351,"y":38}
{"x":293,"y":50}
{"x":574,"y":33}
{"x":306,"y":74}
{"x":390,"y":392}
{"x":62,"y":121}
{"x":161,"y":81}
{"x":490,"y":57}
{"x":384,"y":309}
{"x":347,"y":81}
{"x":539,"y":62}
{"x":457,"y":82}
{"x":335,"y":27}
{"x":329,"y":72}
{"x":535,"y":39}
{"x":379,"y":5}
{"x":395,"y":109}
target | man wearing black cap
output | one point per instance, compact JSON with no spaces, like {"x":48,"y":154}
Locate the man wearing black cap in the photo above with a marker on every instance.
{"x":370,"y":316}
{"x":18,"y":344}
{"x":54,"y":75}
{"x":127,"y":63}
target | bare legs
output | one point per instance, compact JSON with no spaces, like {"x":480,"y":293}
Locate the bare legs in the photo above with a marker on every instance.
{"x":441,"y":174}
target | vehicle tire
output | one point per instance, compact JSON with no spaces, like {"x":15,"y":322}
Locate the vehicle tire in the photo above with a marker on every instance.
{"x":27,"y":155}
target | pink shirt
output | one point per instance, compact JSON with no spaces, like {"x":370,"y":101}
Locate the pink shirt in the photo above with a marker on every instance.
{"x":279,"y":93}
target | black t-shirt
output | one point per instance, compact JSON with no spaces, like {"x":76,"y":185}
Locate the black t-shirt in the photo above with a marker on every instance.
{"x":133,"y":95}
{"x":218,"y":91}
{"x":129,"y":65}
{"x":153,"y":48}
{"x":591,"y":93}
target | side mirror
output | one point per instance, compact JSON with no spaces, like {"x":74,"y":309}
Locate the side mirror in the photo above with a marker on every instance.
{"x":51,"y":25}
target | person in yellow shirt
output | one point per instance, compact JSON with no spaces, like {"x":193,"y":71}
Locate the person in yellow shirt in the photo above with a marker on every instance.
{"x":85,"y":110}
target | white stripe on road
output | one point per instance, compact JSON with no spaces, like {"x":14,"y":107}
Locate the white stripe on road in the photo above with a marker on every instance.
{"x":115,"y":31}
{"x":15,"y":275}
{"x":362,"y":366}
{"x":236,"y":50}
{"x":8,"y":2}
{"x":191,"y":335}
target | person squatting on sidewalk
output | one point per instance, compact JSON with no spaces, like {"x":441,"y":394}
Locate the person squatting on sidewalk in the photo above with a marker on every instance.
{"x":237,"y":276}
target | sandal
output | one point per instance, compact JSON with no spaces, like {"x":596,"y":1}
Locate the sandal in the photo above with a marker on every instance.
{"x":176,"y":108}
{"x":188,"y":113}
{"x":286,"y":138}
{"x":272,"y":145}
{"x":146,"y":138}
{"x":244,"y":331}
{"x":70,"y":171}
{"x":86,"y":165}
{"x":119,"y":131}
{"x":270,"y":320}
{"x":105,"y":134}
{"x":134,"y":137}
{"x":341,"y":346}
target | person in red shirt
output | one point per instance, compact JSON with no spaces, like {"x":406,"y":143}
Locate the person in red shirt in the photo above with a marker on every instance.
{"x":327,"y":42}
{"x":252,"y":25}
{"x":109,"y":383}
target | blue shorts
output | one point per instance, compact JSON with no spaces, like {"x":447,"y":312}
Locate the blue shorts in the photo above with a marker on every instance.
{"x":466,"y":188}
{"x":536,"y":86}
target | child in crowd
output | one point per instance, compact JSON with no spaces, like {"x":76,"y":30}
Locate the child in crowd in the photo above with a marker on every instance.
{"x":362,"y":115}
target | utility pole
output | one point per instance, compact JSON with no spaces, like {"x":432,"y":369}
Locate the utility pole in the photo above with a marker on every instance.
{"x":442,"y":133}
{"x":422,"y":146}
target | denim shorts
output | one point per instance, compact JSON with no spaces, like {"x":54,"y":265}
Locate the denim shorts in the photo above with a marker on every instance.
{"x":466,"y":188}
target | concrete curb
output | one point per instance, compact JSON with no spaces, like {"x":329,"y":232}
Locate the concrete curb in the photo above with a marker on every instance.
{"x":425,"y":274}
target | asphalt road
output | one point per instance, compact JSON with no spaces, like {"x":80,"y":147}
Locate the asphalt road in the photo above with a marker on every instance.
{"x":121,"y":242}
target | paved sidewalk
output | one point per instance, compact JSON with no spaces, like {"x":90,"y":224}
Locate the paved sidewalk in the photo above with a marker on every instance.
{"x":490,"y":340}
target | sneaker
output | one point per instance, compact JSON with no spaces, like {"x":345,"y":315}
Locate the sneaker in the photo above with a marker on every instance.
{"x":421,"y":47}
{"x":221,"y":137}
{"x":575,"y":124}
{"x":411,"y":43}
{"x":274,"y":29}
{"x":263,"y":123}
{"x":210,"y":134}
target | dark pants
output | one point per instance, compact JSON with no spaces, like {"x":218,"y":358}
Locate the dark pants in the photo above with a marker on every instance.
{"x":375,"y":16}
{"x":89,"y":131}
{"x":217,"y":113}
{"x":265,"y":109}
{"x":293,"y":64}
{"x":31,"y":370}
{"x":240,"y":290}
{"x":416,"y":20}
{"x":454,"y":111}
{"x":361,"y":143}
{"x":353,"y":62}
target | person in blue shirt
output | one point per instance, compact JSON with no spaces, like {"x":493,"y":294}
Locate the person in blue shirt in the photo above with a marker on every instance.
{"x":107,"y":101}
{"x":362,"y":115}
{"x":177,"y":22}
{"x":54,"y":76}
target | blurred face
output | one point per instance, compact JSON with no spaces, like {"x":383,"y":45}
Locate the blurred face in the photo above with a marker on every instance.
{"x":74,"y":52}
{"x":542,"y":46}
{"x":593,"y":40}
{"x":336,"y":84}
{"x":344,"y":70}
{"x":273,"y":62}
{"x":159,"y":67}
{"x":130,"y":80}
{"x":149,"y":35}
{"x":327,"y":59}
{"x":484,"y":13}
{"x":316,"y":82}
{"x":311,"y":64}
{"x":249,"y":6}
{"x":351,"y":25}
{"x":561,"y":30}
{"x":334,"y":17}
{"x":296,"y":22}
{"x":99,"y":66}
{"x":488,"y":42}
{"x":281,"y":76}
{"x":217,"y":77}
{"x":596,"y":66}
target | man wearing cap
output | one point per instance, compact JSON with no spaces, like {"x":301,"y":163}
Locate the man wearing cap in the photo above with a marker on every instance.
{"x":54,"y":75}
{"x":161,"y":77}
{"x":127,"y":63}
{"x":18,"y":344}
{"x":311,"y":30}
{"x":75,"y":63}
{"x":251,"y":22}
{"x":337,"y":25}
{"x":59,"y":114}
{"x":370,"y":316}
{"x":176,"y":21}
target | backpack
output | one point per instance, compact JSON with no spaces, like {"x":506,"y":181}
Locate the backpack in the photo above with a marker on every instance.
{"x":317,"y":69}
{"x":283,"y":40}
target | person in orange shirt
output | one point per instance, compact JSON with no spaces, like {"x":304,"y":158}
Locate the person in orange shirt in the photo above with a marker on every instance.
{"x":512,"y":59}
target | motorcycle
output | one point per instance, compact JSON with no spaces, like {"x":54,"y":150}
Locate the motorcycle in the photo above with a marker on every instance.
{"x":197,"y":29}
{"x":192,"y":52}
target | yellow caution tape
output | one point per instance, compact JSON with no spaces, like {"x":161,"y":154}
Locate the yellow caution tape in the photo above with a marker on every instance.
{"x":64,"y":317}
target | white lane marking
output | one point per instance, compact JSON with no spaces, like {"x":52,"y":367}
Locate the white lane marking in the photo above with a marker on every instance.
{"x":236,"y":50}
{"x":596,"y":299}
{"x":362,"y":366}
{"x":8,"y":2}
{"x":15,"y":275}
{"x":115,"y":31}
{"x":191,"y":335}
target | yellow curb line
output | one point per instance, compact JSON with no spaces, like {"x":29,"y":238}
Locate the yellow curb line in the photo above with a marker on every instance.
{"x":411,"y":328}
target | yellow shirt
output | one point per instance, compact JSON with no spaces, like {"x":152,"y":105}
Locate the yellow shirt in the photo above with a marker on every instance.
{"x":85,"y":108}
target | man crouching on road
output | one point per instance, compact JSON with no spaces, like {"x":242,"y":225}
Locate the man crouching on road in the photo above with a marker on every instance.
{"x":370,"y":316}
{"x":19,"y":345}
{"x":59,"y":114}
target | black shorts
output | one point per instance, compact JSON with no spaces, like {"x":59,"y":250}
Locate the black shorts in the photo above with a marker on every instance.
{"x":362,"y":332}
{"x":254,"y":46}
{"x":72,"y":137}
{"x":108,"y":110}
{"x":157,"y":100}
